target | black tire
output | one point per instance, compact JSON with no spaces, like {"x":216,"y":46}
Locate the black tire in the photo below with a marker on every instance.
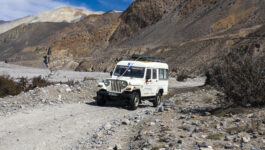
{"x":134,"y":100}
{"x":158,"y":99}
{"x":101,"y":101}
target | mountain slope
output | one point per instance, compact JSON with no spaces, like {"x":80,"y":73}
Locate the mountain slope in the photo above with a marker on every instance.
{"x":28,"y":44}
{"x":65,"y":14}
{"x":190,"y":35}
{"x":21,"y":43}
{"x":83,"y":39}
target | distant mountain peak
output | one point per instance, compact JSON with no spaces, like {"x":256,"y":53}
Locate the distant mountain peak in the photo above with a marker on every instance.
{"x":63,"y":14}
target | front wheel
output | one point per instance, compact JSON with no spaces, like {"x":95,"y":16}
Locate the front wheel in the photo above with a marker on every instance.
{"x":158,"y":99}
{"x":101,"y":101}
{"x":134,"y":100}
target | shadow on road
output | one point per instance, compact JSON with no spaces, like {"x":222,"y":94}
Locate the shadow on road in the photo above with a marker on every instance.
{"x":118,"y":103}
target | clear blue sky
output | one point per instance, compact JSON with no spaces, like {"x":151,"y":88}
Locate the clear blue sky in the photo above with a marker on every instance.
{"x":101,"y":5}
{"x":13,"y":9}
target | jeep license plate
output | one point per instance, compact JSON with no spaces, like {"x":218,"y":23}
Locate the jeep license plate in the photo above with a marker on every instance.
{"x":113,"y":94}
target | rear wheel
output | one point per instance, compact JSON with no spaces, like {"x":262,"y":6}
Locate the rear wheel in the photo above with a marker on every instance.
{"x":134,"y":100}
{"x":158,"y":99}
{"x":101,"y":101}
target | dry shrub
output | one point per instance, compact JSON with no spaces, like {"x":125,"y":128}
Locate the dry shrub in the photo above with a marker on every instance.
{"x":40,"y":82}
{"x":69,"y":82}
{"x":182,"y":76}
{"x":23,"y":83}
{"x":8,"y":86}
{"x":241,"y":76}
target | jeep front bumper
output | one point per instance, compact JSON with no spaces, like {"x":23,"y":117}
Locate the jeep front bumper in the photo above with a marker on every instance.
{"x":124,"y":95}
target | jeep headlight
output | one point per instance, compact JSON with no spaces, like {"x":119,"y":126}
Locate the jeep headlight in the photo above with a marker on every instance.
{"x":124,"y":84}
{"x":107,"y":82}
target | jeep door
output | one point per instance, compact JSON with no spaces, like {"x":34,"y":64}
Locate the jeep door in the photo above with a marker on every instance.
{"x":163,"y":80}
{"x":150,"y":85}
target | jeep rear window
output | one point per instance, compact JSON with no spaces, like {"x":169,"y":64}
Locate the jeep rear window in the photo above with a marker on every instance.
{"x":136,"y":72}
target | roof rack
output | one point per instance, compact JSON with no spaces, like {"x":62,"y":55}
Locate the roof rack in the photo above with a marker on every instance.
{"x":147,"y":58}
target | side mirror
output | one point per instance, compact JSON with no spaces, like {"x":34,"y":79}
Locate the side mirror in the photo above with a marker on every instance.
{"x":111,"y":73}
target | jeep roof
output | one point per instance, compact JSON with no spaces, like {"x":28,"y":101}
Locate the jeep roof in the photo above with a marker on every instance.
{"x":144,"y":64}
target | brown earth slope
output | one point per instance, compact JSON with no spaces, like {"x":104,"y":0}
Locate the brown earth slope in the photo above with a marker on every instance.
{"x":79,"y":41}
{"x":189,"y":34}
{"x":28,"y":44}
{"x":20,"y":44}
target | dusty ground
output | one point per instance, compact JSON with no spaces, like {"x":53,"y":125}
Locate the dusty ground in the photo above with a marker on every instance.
{"x":16,"y":71}
{"x":193,"y":120}
{"x":66,"y":117}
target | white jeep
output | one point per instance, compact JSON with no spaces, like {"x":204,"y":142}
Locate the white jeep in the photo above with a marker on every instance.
{"x":144,"y":78}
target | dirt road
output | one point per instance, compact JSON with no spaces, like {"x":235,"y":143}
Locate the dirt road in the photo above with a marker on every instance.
{"x":54,"y":128}
{"x":59,"y":126}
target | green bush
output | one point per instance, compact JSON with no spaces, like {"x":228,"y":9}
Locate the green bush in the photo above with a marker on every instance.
{"x":241,"y":76}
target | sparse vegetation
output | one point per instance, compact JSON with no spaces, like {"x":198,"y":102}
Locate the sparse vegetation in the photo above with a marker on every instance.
{"x":69,"y":82}
{"x":8,"y":86}
{"x":40,"y":82}
{"x":241,"y":76}
{"x":181,"y":77}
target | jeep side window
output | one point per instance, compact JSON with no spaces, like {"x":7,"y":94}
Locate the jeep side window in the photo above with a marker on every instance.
{"x":163,"y":74}
{"x":148,"y":74}
{"x":154,"y":74}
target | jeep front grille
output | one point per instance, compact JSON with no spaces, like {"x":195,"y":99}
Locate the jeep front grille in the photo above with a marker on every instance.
{"x":115,"y":85}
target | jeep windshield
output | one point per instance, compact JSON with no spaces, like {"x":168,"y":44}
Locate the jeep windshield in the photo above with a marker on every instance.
{"x":134,"y":72}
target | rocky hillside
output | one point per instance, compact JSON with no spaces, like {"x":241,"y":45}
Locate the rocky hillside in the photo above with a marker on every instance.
{"x":65,"y":14}
{"x":190,"y":34}
{"x":21,"y":44}
{"x":28,"y":44}
{"x":84,"y":38}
